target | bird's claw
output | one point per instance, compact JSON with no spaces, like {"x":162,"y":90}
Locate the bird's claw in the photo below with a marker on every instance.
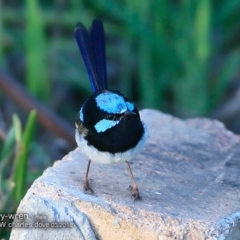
{"x":87,"y":189}
{"x":135,"y":193}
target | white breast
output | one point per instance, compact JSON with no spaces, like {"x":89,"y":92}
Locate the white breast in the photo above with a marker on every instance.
{"x":105,"y":157}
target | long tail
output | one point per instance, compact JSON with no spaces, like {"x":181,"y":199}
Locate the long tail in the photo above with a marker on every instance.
{"x":92,"y":48}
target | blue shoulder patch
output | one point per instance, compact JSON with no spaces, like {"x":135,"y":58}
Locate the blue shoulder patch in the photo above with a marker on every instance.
{"x":104,"y":125}
{"x":81,"y":114}
{"x":111,"y":103}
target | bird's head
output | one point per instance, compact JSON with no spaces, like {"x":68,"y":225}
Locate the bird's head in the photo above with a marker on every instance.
{"x":107,"y":109}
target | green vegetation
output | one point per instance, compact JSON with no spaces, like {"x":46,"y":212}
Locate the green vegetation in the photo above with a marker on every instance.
{"x":14,"y":153}
{"x":169,"y":55}
{"x":36,"y":57}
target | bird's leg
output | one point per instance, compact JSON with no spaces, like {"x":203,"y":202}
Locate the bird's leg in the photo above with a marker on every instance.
{"x":134,"y":189}
{"x":86,"y":186}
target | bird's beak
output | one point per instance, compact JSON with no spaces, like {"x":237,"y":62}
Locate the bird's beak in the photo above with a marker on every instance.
{"x":128,"y":113}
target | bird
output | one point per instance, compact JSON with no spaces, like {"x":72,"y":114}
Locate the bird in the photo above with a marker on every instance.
{"x":108,"y":127}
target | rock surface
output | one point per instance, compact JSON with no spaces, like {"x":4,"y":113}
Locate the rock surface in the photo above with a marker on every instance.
{"x":188,"y":175}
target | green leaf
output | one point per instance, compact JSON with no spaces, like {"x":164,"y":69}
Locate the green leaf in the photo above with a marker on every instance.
{"x":36,"y":52}
{"x":202,"y":30}
{"x":8,"y":144}
{"x":21,"y":161}
{"x":17,"y":127}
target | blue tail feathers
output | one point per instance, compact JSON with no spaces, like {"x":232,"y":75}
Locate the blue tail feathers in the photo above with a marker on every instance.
{"x":92,"y":48}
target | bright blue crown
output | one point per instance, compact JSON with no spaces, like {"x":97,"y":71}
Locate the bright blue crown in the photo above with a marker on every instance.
{"x":113,"y":103}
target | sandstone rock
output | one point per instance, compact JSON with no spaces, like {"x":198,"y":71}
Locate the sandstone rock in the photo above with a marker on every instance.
{"x":188,"y":176}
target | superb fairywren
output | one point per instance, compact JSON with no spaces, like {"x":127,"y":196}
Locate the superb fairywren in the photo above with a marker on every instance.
{"x":109,"y":128}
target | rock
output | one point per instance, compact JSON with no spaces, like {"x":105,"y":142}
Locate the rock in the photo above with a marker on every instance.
{"x":188,"y":176}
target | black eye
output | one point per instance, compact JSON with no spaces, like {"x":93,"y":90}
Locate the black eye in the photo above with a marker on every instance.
{"x":113,"y":117}
{"x":110,"y":117}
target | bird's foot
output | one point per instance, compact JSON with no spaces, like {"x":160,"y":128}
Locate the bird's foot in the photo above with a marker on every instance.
{"x":87,"y":189}
{"x":135,"y":193}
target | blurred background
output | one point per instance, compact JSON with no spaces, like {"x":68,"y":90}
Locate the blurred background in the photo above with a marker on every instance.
{"x":179,"y":56}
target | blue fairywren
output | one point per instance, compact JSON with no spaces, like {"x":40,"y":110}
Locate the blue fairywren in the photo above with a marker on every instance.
{"x":109,"y":129}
